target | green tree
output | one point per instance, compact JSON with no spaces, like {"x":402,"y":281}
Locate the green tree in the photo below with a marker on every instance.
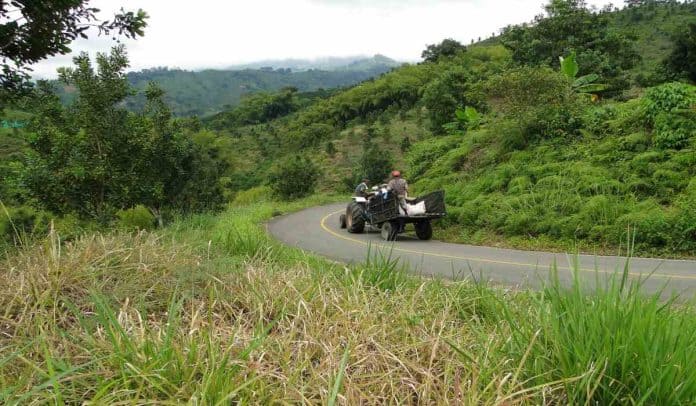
{"x":34,"y":30}
{"x":443,"y":95}
{"x":445,"y":49}
{"x":95,"y":157}
{"x":375,"y":164}
{"x":682,"y":61}
{"x":569,"y":26}
{"x":294,"y":177}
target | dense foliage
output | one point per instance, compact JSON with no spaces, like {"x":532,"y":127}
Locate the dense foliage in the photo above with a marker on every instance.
{"x":569,"y":26}
{"x":527,"y":151}
{"x":294,"y":177}
{"x":208,"y":92}
{"x":94,"y":157}
{"x":32,"y":31}
{"x":682,"y":60}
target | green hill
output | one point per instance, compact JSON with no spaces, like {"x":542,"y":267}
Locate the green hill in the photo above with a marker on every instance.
{"x":542,"y":169}
{"x":200,"y":93}
{"x":529,"y":154}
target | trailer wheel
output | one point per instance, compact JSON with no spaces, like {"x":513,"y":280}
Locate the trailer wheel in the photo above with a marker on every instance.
{"x":424,"y":230}
{"x":355,"y":222}
{"x":342,"y":220}
{"x":389,"y":230}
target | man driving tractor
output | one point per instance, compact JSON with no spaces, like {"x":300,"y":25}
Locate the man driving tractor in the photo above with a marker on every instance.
{"x":363,"y":188}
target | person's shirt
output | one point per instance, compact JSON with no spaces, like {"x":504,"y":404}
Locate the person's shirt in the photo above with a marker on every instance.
{"x":399,"y":186}
{"x":360,"y":189}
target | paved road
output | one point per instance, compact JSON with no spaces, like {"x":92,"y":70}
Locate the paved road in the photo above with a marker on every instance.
{"x":317,"y":230}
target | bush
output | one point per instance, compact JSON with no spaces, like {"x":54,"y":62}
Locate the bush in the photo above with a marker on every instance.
{"x":442,"y":97}
{"x":551,"y":110}
{"x":136,"y":218}
{"x":669,"y":109}
{"x":18,"y":223}
{"x":294,"y":177}
{"x":674,"y":130}
{"x":330,"y":149}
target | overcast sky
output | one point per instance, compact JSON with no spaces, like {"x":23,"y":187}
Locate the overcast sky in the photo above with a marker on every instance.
{"x":219,"y":33}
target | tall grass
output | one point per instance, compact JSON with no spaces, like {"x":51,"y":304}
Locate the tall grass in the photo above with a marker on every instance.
{"x":211,"y":311}
{"x":625,"y":347}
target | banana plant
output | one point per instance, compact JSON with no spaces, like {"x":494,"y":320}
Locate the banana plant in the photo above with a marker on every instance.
{"x":466,"y":118}
{"x":469,"y":117}
{"x":584,"y":84}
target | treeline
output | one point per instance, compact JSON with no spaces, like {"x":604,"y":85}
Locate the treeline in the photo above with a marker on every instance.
{"x":206,"y":92}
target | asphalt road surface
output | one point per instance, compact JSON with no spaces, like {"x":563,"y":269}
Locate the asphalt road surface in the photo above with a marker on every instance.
{"x":317,"y":230}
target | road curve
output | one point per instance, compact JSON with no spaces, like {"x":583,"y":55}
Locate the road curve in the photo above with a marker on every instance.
{"x":317,"y":230}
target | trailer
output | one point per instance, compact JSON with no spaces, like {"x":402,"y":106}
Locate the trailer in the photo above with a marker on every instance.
{"x":386,"y":212}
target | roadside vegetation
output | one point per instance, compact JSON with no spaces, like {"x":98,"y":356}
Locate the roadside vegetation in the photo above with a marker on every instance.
{"x":210,"y":310}
{"x":134,"y":267}
{"x":601,"y":149}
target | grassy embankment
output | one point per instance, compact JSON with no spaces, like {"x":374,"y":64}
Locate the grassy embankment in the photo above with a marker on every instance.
{"x":211,"y":311}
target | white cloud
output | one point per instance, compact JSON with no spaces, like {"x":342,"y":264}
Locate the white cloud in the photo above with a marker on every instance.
{"x":215,"y":33}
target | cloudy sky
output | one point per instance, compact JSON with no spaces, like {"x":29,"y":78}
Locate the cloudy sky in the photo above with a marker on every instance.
{"x":219,"y":33}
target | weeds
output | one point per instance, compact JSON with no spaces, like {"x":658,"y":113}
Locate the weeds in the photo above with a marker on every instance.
{"x":213,"y":312}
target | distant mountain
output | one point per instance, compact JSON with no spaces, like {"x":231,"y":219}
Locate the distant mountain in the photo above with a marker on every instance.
{"x":328,"y":63}
{"x":206,"y":92}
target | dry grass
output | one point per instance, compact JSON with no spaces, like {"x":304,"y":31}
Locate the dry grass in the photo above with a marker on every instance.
{"x":153,"y":318}
{"x":119,"y":318}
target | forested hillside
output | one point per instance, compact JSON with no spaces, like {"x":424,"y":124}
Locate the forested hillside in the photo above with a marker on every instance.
{"x":135,"y":267}
{"x":574,"y":132}
{"x":531,"y":154}
{"x":200,"y":93}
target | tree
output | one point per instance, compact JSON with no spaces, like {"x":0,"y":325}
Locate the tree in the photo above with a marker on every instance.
{"x":682,"y":61}
{"x":569,"y":26}
{"x":294,"y":177}
{"x":584,"y":84}
{"x":95,"y":157}
{"x":375,"y":164}
{"x":445,"y":49}
{"x":34,"y":30}
{"x":443,"y":95}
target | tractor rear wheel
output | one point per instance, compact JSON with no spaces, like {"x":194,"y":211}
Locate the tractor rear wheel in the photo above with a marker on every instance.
{"x":355,"y":222}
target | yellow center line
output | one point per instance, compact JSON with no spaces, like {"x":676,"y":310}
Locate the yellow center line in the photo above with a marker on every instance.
{"x":484,"y":260}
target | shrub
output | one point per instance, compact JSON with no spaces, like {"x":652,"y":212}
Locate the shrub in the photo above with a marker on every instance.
{"x":294,"y":177}
{"x":442,"y":96}
{"x":551,"y":110}
{"x":674,"y":130}
{"x":136,"y":218}
{"x":330,"y":149}
{"x":669,"y":109}
{"x":405,"y":144}
{"x":18,"y":223}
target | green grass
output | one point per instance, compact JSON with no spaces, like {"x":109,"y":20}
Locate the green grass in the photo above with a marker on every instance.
{"x":213,"y":311}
